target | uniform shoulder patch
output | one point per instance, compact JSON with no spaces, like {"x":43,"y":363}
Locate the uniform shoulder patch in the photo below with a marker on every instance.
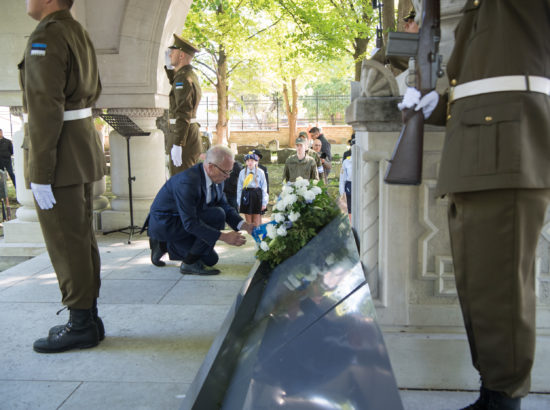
{"x":38,"y":49}
{"x":179,"y":85}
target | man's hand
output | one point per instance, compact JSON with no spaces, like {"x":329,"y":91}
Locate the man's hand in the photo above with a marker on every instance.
{"x":43,"y":195}
{"x":167,"y":60}
{"x":176,"y":155}
{"x":247,"y":227}
{"x":233,"y":238}
{"x":413,"y":99}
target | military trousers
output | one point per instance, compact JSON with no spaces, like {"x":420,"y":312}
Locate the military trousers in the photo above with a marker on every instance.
{"x":494,"y":237}
{"x":71,"y":244}
{"x":190,"y":152}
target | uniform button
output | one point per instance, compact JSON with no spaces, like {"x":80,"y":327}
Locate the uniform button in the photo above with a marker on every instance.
{"x":488,"y":118}
{"x":476,"y":3}
{"x":448,"y":117}
{"x":453,"y":82}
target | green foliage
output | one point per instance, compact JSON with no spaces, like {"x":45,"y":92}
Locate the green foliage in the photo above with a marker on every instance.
{"x":302,"y":210}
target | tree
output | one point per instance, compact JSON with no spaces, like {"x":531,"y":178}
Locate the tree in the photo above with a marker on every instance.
{"x":331,"y":101}
{"x":225,"y":31}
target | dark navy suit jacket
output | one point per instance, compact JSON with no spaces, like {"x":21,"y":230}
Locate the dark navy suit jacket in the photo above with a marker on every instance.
{"x":175,"y":212}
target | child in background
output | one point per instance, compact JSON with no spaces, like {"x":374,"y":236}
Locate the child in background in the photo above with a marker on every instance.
{"x":345,"y":183}
{"x":252,"y":194}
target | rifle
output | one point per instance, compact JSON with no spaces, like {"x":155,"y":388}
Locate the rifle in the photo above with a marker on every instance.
{"x":405,"y":166}
{"x":377,"y":5}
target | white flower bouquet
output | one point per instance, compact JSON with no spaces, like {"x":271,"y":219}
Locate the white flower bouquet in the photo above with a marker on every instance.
{"x":301,"y":211}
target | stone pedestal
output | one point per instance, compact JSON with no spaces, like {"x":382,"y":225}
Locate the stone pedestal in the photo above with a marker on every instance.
{"x":147,"y":166}
{"x":406,"y":254}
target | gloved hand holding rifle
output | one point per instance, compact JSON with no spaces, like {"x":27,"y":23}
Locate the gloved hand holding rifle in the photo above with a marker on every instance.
{"x":418,"y":103}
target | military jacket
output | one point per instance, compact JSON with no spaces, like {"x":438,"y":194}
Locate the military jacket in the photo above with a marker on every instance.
{"x":185,"y":97}
{"x":305,"y":168}
{"x":500,"y":139}
{"x":59,"y":73}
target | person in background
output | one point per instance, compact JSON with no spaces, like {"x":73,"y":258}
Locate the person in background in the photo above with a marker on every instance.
{"x":230,"y":185}
{"x":351,"y":143}
{"x":300,"y":164}
{"x":345,"y":183}
{"x":189,"y":213}
{"x":6,"y":152}
{"x":63,"y":157}
{"x":494,"y":172}
{"x":325,"y":147}
{"x":252,"y":194}
{"x":185,"y":96}
{"x":266,"y":173}
{"x":326,"y":165}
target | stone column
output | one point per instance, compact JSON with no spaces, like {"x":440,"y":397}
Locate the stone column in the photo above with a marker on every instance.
{"x":147,"y":160}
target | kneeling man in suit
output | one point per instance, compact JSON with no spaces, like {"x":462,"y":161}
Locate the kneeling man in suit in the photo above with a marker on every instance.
{"x":190,"y":211}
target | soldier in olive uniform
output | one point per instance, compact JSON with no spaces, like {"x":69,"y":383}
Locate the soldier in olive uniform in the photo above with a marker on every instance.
{"x":300,"y":164}
{"x":63,"y":156}
{"x":494,"y":170}
{"x":185,"y":96}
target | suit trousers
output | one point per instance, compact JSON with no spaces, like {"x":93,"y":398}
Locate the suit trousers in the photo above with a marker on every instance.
{"x":71,"y":244}
{"x":494,"y":237}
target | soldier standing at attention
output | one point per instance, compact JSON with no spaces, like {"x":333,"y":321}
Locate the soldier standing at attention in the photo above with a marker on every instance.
{"x":494,"y":170}
{"x":185,"y":96}
{"x":63,"y":156}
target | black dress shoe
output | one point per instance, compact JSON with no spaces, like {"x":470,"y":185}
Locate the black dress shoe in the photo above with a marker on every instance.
{"x":197,"y":268}
{"x":80,"y":332}
{"x":494,"y":400}
{"x":158,"y":249}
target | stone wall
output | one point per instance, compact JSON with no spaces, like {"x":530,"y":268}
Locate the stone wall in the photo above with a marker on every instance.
{"x":334,"y":134}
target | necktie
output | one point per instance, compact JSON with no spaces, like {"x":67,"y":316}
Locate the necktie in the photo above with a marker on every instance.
{"x":213,"y":195}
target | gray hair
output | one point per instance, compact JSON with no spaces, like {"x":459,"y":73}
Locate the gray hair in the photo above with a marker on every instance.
{"x":218,"y":153}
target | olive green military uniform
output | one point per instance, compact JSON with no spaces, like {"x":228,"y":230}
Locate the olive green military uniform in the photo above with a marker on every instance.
{"x":305,"y":168}
{"x":59,"y":74}
{"x":494,"y":168}
{"x":185,"y":97}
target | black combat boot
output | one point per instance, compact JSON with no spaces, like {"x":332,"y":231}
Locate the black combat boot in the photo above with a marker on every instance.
{"x":80,"y":332}
{"x":97,"y":320}
{"x":494,"y":400}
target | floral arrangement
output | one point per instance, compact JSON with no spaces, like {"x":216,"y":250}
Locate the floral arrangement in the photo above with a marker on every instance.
{"x":301,"y":211}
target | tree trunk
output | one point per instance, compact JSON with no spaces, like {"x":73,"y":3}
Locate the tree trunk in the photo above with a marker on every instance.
{"x":221,"y":91}
{"x":388,"y":17}
{"x":291,"y":111}
{"x":359,"y":49}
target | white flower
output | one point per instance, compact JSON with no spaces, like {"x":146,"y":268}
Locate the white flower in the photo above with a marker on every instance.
{"x":293,"y":216}
{"x":287,"y":189}
{"x":264,"y":246}
{"x":316,"y":190}
{"x":271,"y":231}
{"x":279,"y":217}
{"x":301,"y":191}
{"x":281,"y":231}
{"x":280,"y":205}
{"x":289,"y":200}
{"x":300,"y":182}
{"x":309,"y":196}
{"x":314,"y":181}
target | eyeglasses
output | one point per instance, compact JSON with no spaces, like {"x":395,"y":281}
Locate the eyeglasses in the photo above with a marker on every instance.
{"x":227,"y":173}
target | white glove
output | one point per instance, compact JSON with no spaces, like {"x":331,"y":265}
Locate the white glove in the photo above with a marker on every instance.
{"x":428,"y":103}
{"x":43,"y":195}
{"x":176,"y":155}
{"x":167,"y":61}
{"x":410,"y":99}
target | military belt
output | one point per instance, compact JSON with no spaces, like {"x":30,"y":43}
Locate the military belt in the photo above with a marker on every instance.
{"x":500,"y":84}
{"x":70,"y":115}
{"x":193,"y":121}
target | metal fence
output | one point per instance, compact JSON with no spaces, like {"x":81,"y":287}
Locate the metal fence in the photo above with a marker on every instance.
{"x":269,"y":113}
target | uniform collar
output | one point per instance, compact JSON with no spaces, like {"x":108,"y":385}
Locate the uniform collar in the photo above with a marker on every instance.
{"x":57,"y":15}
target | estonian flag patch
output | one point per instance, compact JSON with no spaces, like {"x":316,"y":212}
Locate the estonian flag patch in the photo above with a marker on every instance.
{"x":179,"y":86}
{"x":38,"y":49}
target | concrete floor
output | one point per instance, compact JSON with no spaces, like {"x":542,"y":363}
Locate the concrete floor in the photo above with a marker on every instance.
{"x":159,"y":326}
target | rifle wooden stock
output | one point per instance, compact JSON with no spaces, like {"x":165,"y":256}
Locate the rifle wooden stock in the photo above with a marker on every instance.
{"x":405,"y":166}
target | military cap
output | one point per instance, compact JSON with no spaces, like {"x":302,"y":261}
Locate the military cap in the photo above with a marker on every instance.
{"x":258,"y":153}
{"x":184,"y":45}
{"x":300,"y":140}
{"x":302,"y":134}
{"x":410,"y":16}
